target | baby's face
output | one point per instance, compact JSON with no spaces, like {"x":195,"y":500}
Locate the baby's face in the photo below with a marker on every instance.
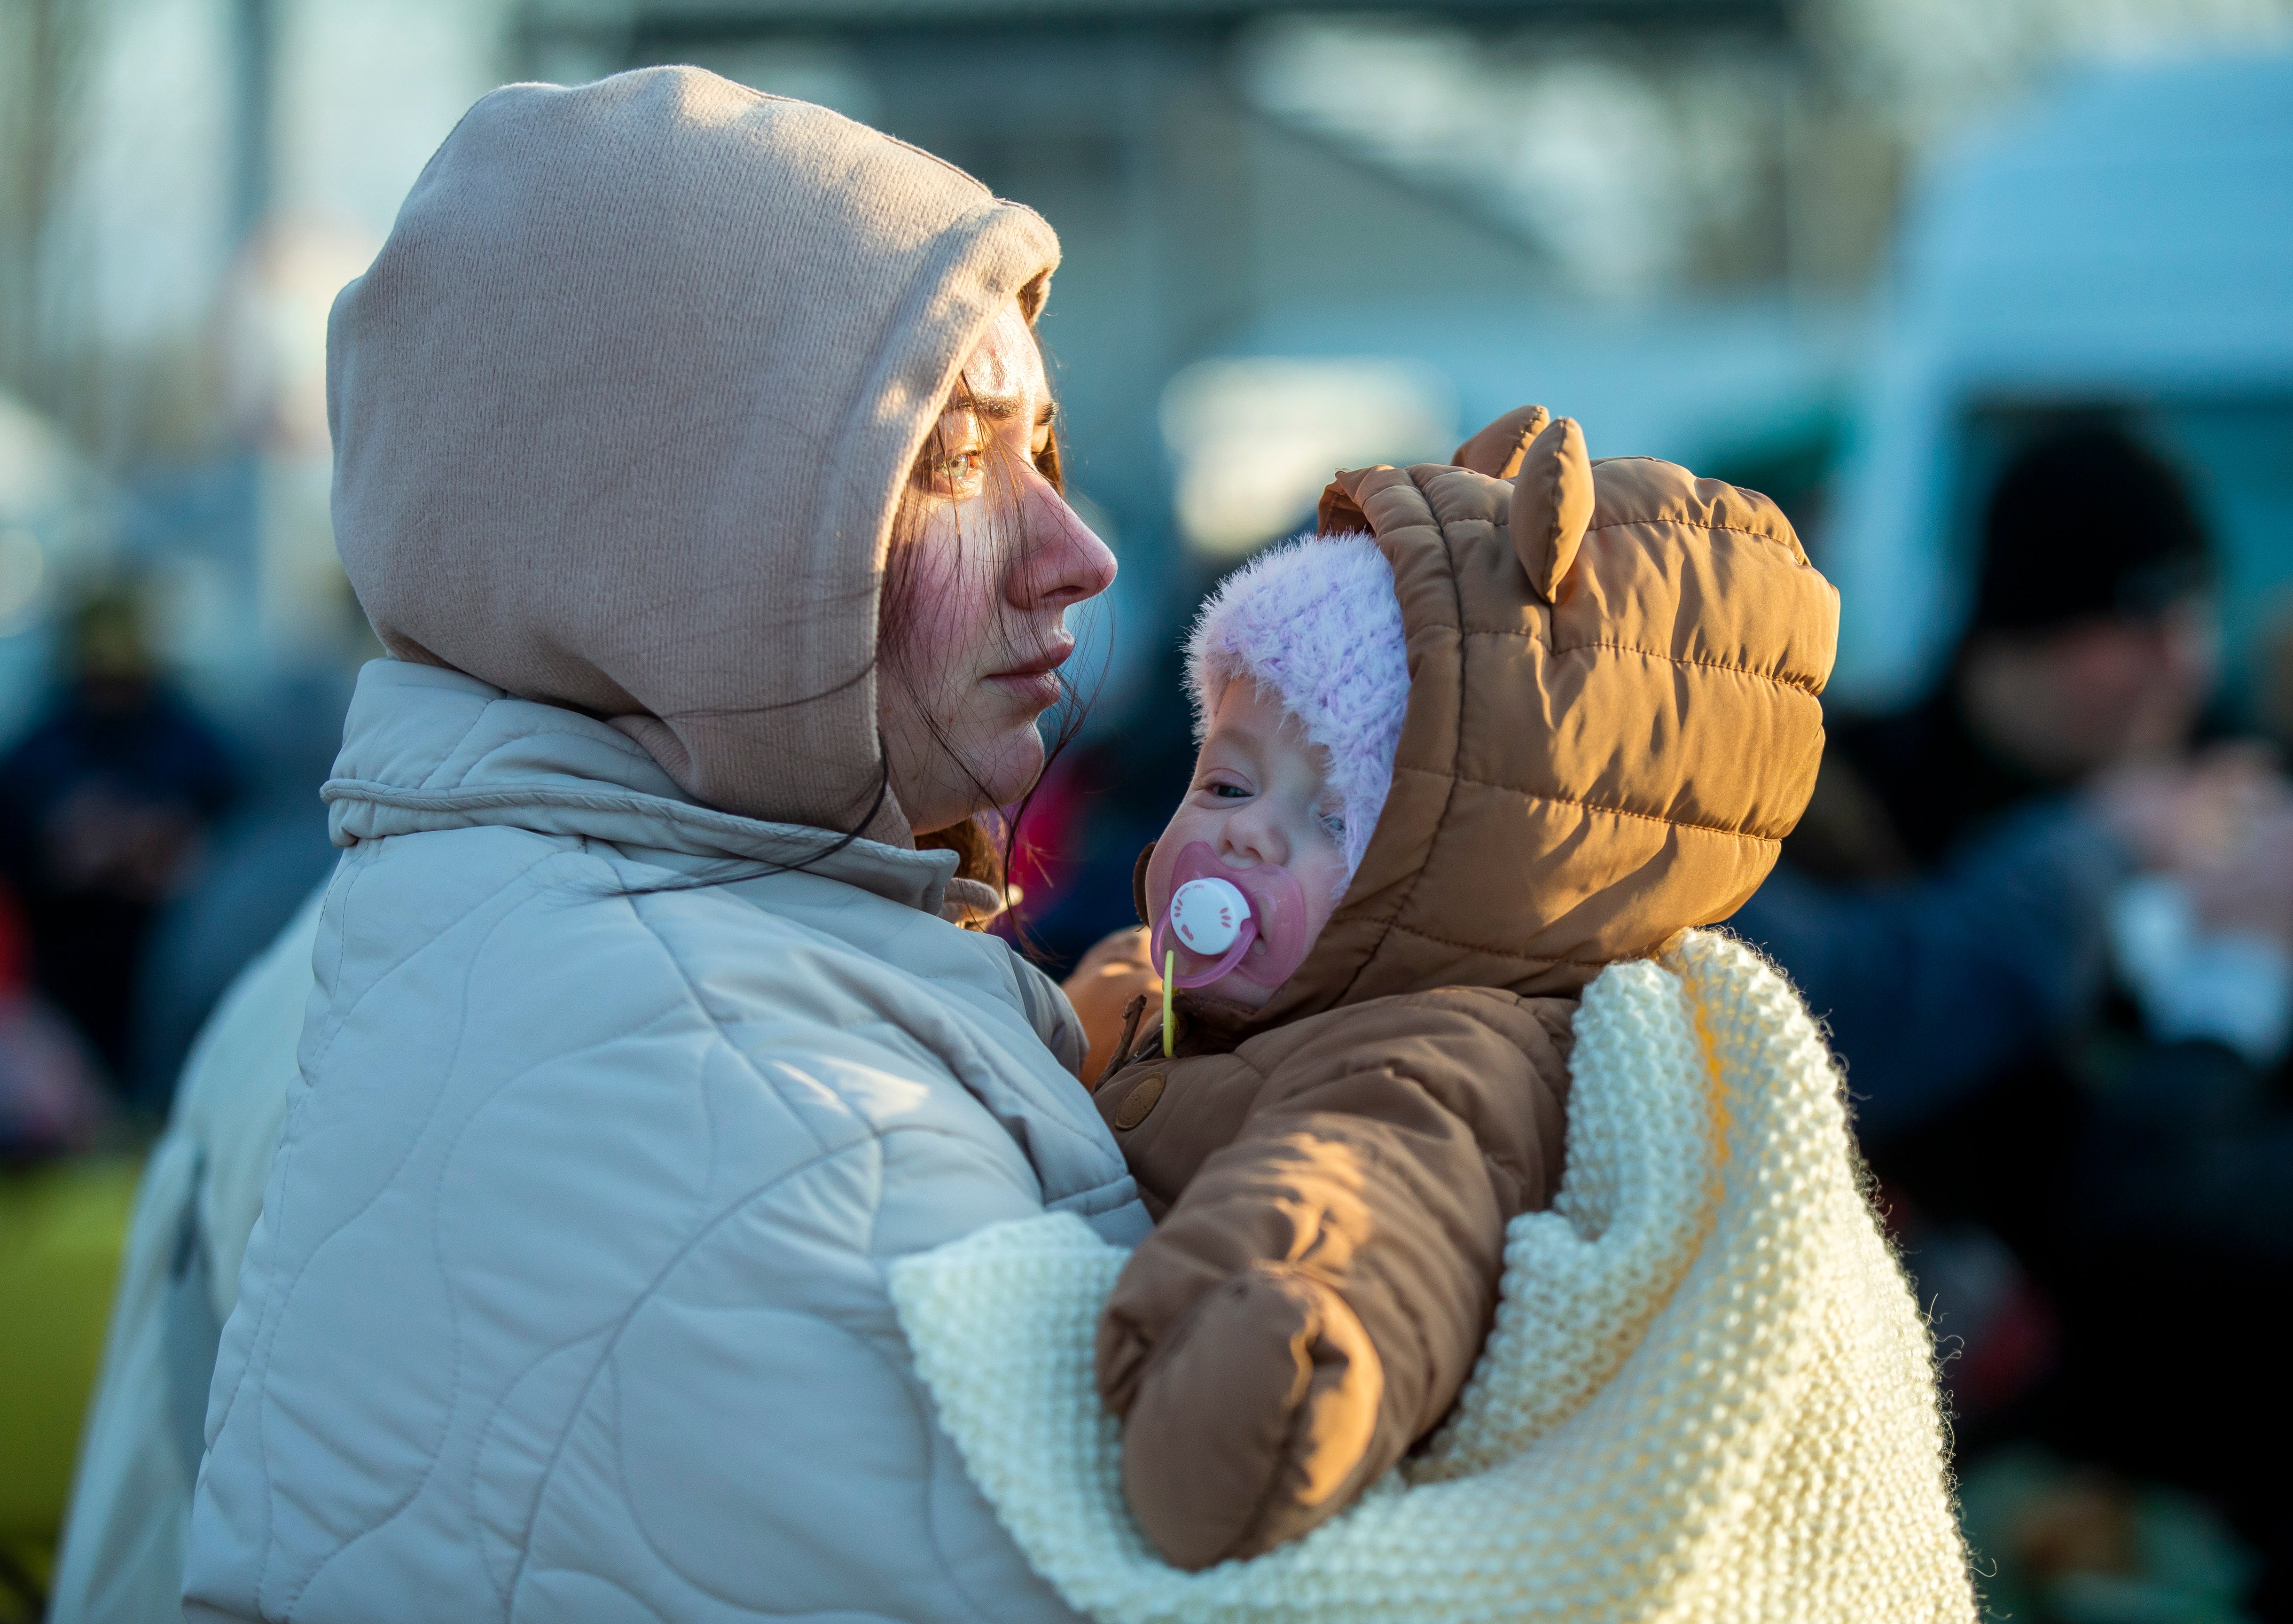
{"x":1260,"y":795}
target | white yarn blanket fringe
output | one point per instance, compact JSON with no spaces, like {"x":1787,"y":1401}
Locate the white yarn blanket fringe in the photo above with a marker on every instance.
{"x":1709,"y":1394}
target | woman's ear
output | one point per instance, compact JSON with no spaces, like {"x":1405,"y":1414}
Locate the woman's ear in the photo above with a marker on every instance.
{"x":1552,"y":504}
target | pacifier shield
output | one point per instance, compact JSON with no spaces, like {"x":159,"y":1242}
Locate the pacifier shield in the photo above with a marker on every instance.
{"x":1267,"y":907}
{"x":1207,"y":915}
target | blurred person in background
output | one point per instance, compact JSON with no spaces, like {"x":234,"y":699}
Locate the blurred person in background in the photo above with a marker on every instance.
{"x":2055,"y":943}
{"x":121,"y":1556}
{"x":1080,"y":836}
{"x":61,"y":1211}
{"x":51,"y":1097}
{"x":261,"y":859}
{"x":104,"y":808}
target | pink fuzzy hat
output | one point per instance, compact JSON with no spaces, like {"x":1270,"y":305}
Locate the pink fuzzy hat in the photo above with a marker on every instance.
{"x":1315,"y":622}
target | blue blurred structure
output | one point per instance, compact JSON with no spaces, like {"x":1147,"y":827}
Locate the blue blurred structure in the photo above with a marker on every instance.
{"x":2088,"y":1181}
{"x":2125,"y":242}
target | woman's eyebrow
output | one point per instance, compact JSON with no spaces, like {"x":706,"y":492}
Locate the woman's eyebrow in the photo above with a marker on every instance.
{"x":998,"y":408}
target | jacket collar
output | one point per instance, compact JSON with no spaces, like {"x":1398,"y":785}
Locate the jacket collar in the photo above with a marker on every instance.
{"x":427,"y":749}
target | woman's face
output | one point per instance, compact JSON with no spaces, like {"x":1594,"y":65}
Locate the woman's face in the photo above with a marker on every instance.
{"x":979,"y":587}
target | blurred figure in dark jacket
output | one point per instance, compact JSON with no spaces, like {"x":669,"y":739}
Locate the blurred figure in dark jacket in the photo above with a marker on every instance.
{"x":51,"y":1101}
{"x":104,"y":808}
{"x":263,"y":858}
{"x":2053,"y":945}
{"x":1946,"y":896}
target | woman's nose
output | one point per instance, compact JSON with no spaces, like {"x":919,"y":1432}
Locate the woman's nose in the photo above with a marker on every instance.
{"x":1063,"y":562}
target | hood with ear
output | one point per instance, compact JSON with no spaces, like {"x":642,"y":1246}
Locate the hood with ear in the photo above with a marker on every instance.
{"x":1612,"y":722}
{"x":623,"y":409}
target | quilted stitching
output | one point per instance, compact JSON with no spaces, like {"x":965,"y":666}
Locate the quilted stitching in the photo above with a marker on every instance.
{"x":1578,"y":776}
{"x":704,"y":1117}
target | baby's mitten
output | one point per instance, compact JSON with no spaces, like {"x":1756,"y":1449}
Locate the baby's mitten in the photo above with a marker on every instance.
{"x":1317,"y":1294}
{"x":1252,"y":1402}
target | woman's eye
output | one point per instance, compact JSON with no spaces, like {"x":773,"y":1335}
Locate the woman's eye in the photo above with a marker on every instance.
{"x":954,"y":461}
{"x":957,"y":472}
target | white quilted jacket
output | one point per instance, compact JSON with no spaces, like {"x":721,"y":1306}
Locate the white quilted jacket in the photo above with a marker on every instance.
{"x":568,"y":1298}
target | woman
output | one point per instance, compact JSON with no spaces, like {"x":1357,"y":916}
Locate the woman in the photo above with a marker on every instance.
{"x":643,"y":1034}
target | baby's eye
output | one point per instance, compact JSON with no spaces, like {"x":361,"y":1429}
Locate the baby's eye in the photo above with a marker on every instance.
{"x":1234,"y":792}
{"x":1334,"y":824}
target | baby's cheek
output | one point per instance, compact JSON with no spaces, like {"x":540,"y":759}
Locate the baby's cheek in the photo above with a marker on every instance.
{"x":1185,"y":826}
{"x":1325,"y":882}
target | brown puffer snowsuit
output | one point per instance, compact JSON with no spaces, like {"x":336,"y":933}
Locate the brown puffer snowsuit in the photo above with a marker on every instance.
{"x":1612,"y":723}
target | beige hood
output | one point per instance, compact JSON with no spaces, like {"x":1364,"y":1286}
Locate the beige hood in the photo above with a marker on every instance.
{"x":622,"y":410}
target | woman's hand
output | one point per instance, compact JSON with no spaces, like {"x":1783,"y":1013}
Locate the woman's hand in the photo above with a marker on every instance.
{"x":2221,"y":823}
{"x":2250,"y":887}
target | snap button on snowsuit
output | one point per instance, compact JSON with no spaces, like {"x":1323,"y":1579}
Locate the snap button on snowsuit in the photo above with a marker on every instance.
{"x":1139,"y":1101}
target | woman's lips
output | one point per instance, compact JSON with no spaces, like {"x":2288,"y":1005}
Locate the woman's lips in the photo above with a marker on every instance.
{"x":1037,"y":683}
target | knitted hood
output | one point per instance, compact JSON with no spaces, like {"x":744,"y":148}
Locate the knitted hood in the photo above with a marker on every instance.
{"x":1612,"y":720}
{"x":622,"y":411}
{"x":1315,"y":622}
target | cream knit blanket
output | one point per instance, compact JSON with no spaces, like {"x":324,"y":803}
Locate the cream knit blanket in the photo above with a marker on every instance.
{"x":1709,"y":1394}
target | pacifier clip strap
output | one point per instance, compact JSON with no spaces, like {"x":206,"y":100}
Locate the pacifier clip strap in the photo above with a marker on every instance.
{"x":1170,"y":1015}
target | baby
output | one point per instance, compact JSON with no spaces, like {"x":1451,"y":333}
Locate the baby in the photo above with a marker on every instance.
{"x":1548,"y":716}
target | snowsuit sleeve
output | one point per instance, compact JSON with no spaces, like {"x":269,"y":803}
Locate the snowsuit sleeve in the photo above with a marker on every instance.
{"x":1336,"y":1193}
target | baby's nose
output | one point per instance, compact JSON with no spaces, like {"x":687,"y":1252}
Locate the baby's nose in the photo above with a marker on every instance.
{"x":1254,"y":837}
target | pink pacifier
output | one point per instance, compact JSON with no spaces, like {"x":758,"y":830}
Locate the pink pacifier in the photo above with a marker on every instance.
{"x":1222,"y":921}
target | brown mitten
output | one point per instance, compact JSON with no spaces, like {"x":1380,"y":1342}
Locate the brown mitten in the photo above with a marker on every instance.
{"x":1315,"y":1295}
{"x":1251,"y":1420}
{"x":1252,"y":1398}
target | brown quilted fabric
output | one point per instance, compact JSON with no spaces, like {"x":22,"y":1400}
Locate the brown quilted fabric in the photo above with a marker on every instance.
{"x":1578,"y":779}
{"x":1613,"y":720}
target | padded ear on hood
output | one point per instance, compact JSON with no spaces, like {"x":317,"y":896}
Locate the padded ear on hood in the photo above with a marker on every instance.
{"x":1552,"y":504}
{"x":1497,"y":449}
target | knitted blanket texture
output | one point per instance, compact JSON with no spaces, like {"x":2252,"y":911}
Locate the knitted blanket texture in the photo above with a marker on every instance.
{"x":1709,"y":1395}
